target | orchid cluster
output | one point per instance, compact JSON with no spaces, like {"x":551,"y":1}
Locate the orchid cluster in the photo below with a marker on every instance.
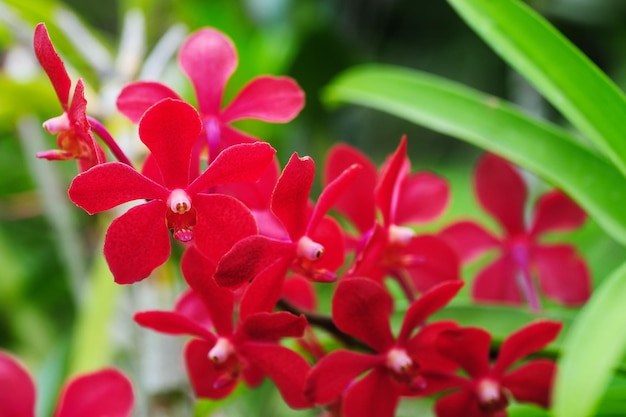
{"x":257,"y":246}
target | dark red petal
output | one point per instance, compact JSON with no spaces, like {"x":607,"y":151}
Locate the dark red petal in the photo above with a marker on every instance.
{"x":376,"y":395}
{"x":77,"y":114}
{"x":427,"y":304}
{"x":255,"y":195}
{"x":387,"y":189}
{"x":529,"y":339}
{"x":202,"y":372}
{"x":222,"y":221}
{"x":245,"y":162}
{"x":462,"y":403}
{"x":554,"y":212}
{"x":468,"y":347}
{"x":170,"y":129}
{"x":172,"y":323}
{"x":219,"y":301}
{"x":264,"y":291}
{"x":469,"y":239}
{"x":106,"y":393}
{"x":248,"y":257}
{"x":531,"y":382}
{"x":357,"y":203}
{"x":291,"y":195}
{"x":430,"y":261}
{"x":422,"y":197}
{"x":108,"y":185}
{"x":135,"y":98}
{"x":502,"y":192}
{"x":17,"y":396}
{"x":137,"y":242}
{"x":563,"y":275}
{"x":268,"y":98}
{"x":190,"y":305}
{"x":330,"y":194}
{"x":283,"y":366}
{"x":208,"y":58}
{"x":52,"y":65}
{"x":272,"y":326}
{"x":362,"y":308}
{"x":497,"y":283}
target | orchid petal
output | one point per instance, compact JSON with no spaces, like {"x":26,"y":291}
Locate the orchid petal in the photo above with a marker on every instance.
{"x":170,"y":129}
{"x":255,"y":195}
{"x":299,"y":291}
{"x":468,"y":347}
{"x":137,"y":97}
{"x":264,"y":291}
{"x":376,"y":395}
{"x":469,"y":239}
{"x":502,"y":192}
{"x":17,"y":393}
{"x":267,"y":98}
{"x":554,"y":212}
{"x":430,"y":261}
{"x":387,"y":188}
{"x":421,"y":198}
{"x":362,"y":308}
{"x":52,"y":65}
{"x":202,"y":372}
{"x":172,"y":323}
{"x":266,"y":326}
{"x":497,"y":283}
{"x":230,"y":136}
{"x":106,"y":393}
{"x":77,"y":115}
{"x":529,"y":339}
{"x":208,"y":58}
{"x":531,"y":382}
{"x":137,"y":242}
{"x":108,"y":185}
{"x":563,"y":274}
{"x":462,"y":403}
{"x":190,"y":305}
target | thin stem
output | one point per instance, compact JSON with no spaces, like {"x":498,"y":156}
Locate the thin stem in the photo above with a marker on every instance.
{"x":106,"y":137}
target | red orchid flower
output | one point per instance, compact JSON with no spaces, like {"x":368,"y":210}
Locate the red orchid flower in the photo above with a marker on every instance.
{"x":138,"y":241}
{"x":223,"y":353}
{"x":362,"y":308}
{"x":523,"y":258}
{"x":312,"y":245}
{"x":106,"y":393}
{"x":208,"y":58}
{"x":487,"y":390}
{"x":74,"y":138}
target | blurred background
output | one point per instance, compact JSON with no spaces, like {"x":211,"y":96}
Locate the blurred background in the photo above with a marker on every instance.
{"x":59,"y":309}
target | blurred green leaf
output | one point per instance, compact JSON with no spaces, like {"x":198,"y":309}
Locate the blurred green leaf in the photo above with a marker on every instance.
{"x":566,"y":77}
{"x":496,"y":126}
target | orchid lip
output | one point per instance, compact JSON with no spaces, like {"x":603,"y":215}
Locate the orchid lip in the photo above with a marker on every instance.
{"x":309,"y":249}
{"x":221,"y":351}
{"x":179,"y":201}
{"x":57,"y":124}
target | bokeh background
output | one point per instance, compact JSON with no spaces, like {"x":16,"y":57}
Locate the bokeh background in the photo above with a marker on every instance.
{"x":59,"y":310}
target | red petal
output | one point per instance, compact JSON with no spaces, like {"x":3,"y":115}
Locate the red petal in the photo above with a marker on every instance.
{"x":208,"y":58}
{"x":231,"y":136}
{"x":219,"y":301}
{"x":357,"y":203}
{"x":169,"y":129}
{"x":361,"y":308}
{"x":17,"y":396}
{"x":108,"y":185}
{"x":137,"y":97}
{"x":555,"y":211}
{"x":264,"y":291}
{"x":387,"y":189}
{"x":422,"y":197}
{"x":137,"y":242}
{"x":532,"y":382}
{"x":283,"y":366}
{"x":291,"y":195}
{"x":272,"y":326}
{"x":430,"y":261}
{"x":427,"y":304}
{"x":173,"y":324}
{"x":77,"y":114}
{"x":462,"y":403}
{"x":469,"y":347}
{"x":245,"y":162}
{"x":563,"y":275}
{"x":203,"y":373}
{"x":376,"y":395}
{"x":190,"y":305}
{"x":502,"y":192}
{"x":52,"y":65}
{"x":222,"y":221}
{"x":299,"y":291}
{"x":527,"y":340}
{"x":255,"y":195}
{"x":272,"y":99}
{"x":106,"y":393}
{"x":497,"y":283}
{"x":469,"y":239}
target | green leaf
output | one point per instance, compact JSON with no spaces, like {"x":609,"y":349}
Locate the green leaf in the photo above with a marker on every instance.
{"x":567,"y":78}
{"x":496,"y":126}
{"x":592,"y":349}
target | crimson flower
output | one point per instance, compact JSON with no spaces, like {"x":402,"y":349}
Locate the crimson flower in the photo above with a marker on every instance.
{"x":362,"y":308}
{"x":138,"y":241}
{"x":74,"y":138}
{"x":223,"y":352}
{"x":486,"y":391}
{"x":312,"y":244}
{"x":523,"y":258}
{"x":208,"y":58}
{"x":106,"y":393}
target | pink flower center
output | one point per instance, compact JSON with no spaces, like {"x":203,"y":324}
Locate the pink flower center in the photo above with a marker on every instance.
{"x":490,"y":395}
{"x":400,"y":235}
{"x":179,"y":201}
{"x":222,"y":350}
{"x":309,"y":249}
{"x":404,"y":369}
{"x":398,"y":360}
{"x":57,"y":124}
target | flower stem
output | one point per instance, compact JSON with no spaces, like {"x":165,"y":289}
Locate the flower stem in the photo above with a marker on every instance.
{"x":106,"y":137}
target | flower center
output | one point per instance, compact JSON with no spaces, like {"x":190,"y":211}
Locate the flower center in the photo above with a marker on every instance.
{"x":404,"y":369}
{"x":400,"y":235}
{"x":222,"y":350}
{"x":490,"y":395}
{"x":309,"y":249}
{"x":57,"y":124}
{"x":179,"y":201}
{"x":399,"y":361}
